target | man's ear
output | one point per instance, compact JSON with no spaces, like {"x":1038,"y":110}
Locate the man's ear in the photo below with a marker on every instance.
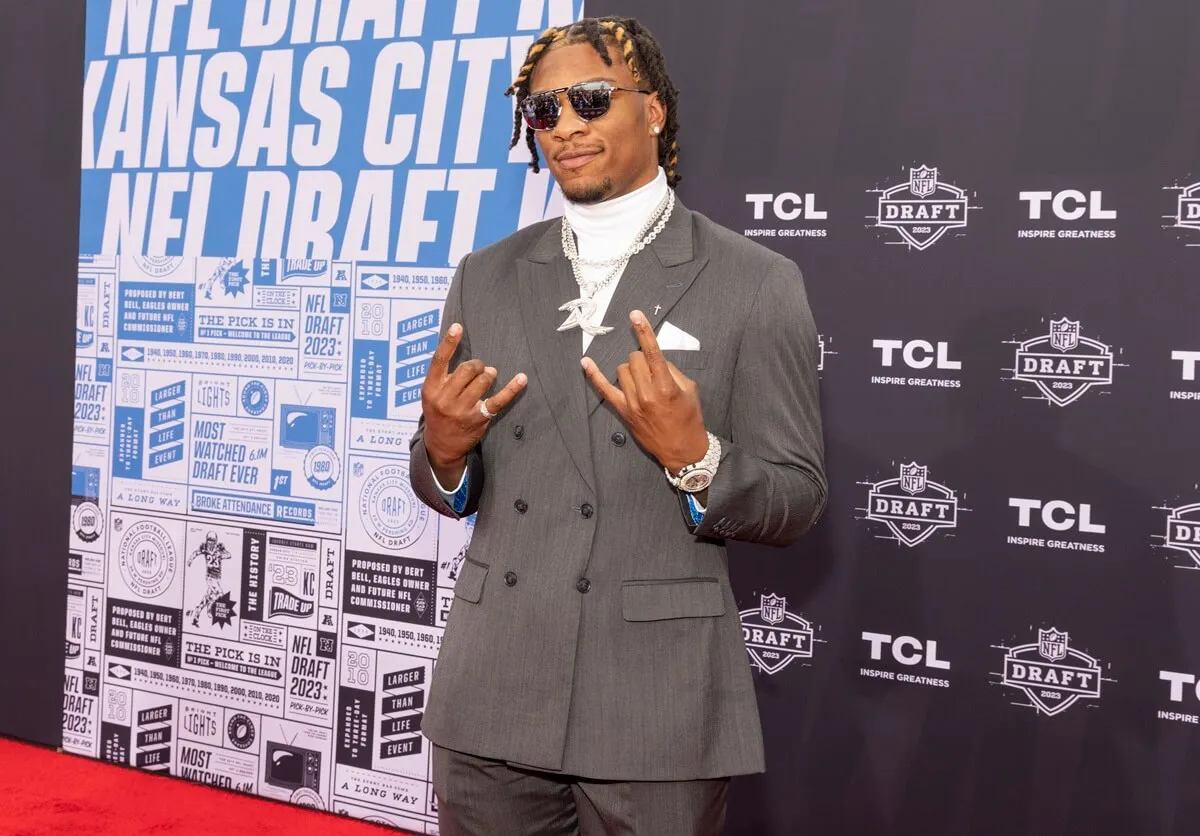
{"x":656,"y":112}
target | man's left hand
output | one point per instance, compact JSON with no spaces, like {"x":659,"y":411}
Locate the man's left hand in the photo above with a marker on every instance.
{"x":658,"y":403}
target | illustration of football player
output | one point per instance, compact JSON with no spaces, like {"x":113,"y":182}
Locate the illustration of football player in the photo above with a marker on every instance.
{"x":217,"y":275}
{"x":214,"y":554}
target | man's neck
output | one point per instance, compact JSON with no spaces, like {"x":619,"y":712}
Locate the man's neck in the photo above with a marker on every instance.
{"x":640,"y":183}
{"x":611,"y":225}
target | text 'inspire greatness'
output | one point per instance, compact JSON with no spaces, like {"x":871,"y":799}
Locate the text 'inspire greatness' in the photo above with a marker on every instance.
{"x":274,"y":93}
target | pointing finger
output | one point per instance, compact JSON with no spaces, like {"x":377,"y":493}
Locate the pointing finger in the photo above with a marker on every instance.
{"x":445,"y":350}
{"x":648,"y":342}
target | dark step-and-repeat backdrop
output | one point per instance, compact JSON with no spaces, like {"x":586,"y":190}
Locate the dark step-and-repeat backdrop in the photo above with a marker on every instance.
{"x":997,"y":212}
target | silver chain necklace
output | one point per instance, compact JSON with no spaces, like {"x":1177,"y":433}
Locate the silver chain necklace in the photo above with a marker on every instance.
{"x":584,"y":308}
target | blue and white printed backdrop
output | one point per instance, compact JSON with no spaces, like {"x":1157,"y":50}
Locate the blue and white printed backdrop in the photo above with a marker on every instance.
{"x":275,"y":194}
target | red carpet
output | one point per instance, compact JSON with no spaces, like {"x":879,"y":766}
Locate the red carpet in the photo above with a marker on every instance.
{"x":45,"y":792}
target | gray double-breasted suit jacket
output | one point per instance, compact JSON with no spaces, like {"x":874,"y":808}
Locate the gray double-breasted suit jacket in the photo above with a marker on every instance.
{"x":593,"y":629}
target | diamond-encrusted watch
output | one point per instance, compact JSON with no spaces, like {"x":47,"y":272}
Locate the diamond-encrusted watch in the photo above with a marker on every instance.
{"x":694,"y":478}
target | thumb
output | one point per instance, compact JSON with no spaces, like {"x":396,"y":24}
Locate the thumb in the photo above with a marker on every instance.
{"x":603,"y":388}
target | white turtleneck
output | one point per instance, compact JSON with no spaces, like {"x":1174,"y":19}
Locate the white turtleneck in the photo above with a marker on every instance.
{"x":607,"y":229}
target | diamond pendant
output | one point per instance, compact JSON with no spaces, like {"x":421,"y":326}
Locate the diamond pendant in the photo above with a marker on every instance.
{"x":582,"y":310}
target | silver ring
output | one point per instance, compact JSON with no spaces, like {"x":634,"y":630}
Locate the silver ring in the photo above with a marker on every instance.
{"x":484,"y":410}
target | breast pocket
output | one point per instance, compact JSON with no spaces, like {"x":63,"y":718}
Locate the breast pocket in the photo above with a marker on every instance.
{"x":687,"y":359}
{"x":659,"y":600}
{"x":469,"y":586}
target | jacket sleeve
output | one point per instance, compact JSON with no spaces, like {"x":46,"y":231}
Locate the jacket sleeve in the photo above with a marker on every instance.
{"x":770,"y":487}
{"x":465,"y":501}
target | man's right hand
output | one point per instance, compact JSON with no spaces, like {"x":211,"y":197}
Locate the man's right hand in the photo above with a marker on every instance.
{"x":450,"y":403}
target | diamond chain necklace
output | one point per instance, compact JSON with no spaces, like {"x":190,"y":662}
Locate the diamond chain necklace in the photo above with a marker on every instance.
{"x":583,"y":308}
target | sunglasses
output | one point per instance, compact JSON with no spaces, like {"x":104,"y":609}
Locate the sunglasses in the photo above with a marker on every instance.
{"x":589,"y":99}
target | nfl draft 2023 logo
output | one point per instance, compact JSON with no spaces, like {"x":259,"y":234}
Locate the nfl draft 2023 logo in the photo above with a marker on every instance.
{"x":1187,"y":211}
{"x":921,"y":210}
{"x":775,"y":637}
{"x":911,"y":505}
{"x":1183,"y":532}
{"x":1062,"y":364}
{"x":1051,"y":673}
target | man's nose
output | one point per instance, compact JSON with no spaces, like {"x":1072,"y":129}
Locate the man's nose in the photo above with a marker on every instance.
{"x":569,"y":124}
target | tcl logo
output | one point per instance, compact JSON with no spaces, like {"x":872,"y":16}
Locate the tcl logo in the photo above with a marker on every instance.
{"x":1178,"y":680}
{"x":1056,"y":515}
{"x":1068,"y":205}
{"x":917,"y":354}
{"x":788,"y":206}
{"x":1188,"y":358}
{"x":906,"y":650}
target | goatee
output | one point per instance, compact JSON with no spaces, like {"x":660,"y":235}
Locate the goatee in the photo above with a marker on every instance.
{"x":594,"y":193}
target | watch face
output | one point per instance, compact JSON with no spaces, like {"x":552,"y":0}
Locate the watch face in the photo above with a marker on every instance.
{"x":695,"y":481}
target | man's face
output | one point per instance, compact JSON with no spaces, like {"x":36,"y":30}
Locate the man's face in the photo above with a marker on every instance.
{"x":606,"y":157}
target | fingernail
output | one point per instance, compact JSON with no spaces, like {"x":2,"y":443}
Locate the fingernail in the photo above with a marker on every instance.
{"x":490,"y":370}
{"x":583,"y":361}
{"x":522,"y":379}
{"x":455,"y":329}
{"x":636,"y":317}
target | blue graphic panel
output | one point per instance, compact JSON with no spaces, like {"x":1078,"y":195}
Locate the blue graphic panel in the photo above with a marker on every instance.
{"x":274,"y":199}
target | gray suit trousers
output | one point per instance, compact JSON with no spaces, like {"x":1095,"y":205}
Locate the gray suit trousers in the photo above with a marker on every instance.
{"x":482,"y":797}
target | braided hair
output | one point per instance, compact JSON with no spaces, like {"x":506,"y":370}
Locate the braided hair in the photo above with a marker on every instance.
{"x":644,"y":59}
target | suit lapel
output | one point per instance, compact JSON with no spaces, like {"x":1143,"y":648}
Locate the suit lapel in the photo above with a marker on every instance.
{"x":653,"y":281}
{"x":545,"y":281}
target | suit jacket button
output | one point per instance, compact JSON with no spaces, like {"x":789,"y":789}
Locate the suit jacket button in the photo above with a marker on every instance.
{"x":583,"y":585}
{"x":618,"y":438}
{"x":587,"y":511}
{"x":518,"y":431}
{"x":521,"y":505}
{"x":510,"y":578}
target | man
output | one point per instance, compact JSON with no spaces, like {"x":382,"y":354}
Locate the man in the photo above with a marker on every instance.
{"x":214,"y":554}
{"x":592,"y":677}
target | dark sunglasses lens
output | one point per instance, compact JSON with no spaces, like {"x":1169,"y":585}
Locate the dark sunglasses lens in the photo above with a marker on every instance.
{"x":591,"y":101}
{"x":541,"y":111}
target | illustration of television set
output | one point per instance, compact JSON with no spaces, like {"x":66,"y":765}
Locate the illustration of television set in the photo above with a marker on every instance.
{"x":306,"y":427}
{"x":85,"y":482}
{"x":292,"y":767}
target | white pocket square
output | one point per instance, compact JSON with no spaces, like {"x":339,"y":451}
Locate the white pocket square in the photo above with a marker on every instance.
{"x":670,"y":337}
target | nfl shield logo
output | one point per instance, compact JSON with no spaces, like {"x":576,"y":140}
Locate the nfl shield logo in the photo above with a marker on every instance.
{"x":922,"y":181}
{"x":1052,"y":644}
{"x":772,"y":609}
{"x":912,"y":478}
{"x":1064,"y":334}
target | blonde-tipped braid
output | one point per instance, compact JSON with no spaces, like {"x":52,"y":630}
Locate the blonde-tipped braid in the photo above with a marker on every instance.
{"x":531,"y":57}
